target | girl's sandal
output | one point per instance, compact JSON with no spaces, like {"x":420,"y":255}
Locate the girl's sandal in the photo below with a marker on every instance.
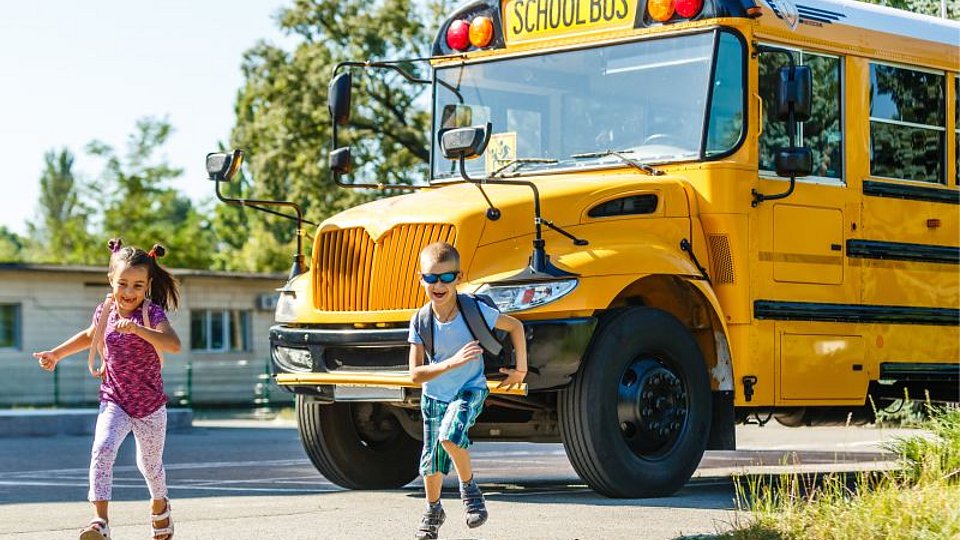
{"x":96,"y":530}
{"x":162,"y":533}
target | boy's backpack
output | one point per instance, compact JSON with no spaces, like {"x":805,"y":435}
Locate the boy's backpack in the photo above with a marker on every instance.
{"x":497,"y":347}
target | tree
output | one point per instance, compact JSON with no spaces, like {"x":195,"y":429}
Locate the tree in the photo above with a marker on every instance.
{"x":61,"y":233}
{"x":282,"y":118}
{"x":139,"y":207}
{"x":11,"y":246}
{"x":925,"y":7}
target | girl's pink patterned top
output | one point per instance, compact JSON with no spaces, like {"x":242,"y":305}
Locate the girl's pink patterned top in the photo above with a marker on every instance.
{"x":132,"y":379}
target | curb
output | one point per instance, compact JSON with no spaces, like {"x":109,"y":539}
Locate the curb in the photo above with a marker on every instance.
{"x":51,"y":422}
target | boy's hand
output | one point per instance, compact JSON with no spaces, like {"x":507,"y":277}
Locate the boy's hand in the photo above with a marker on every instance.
{"x":47,"y":359}
{"x":126,"y":326}
{"x":470,"y":352}
{"x":513,"y":380}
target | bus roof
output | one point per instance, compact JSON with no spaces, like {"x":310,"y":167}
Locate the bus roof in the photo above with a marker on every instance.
{"x":867,"y":17}
{"x":839,"y":24}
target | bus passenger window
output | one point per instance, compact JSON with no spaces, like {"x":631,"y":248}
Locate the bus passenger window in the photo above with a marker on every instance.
{"x":823,"y":132}
{"x":907,"y":124}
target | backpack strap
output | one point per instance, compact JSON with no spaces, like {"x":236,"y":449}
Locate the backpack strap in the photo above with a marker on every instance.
{"x":97,"y":343}
{"x":470,"y":309}
{"x":423,"y":326}
{"x":146,"y":322}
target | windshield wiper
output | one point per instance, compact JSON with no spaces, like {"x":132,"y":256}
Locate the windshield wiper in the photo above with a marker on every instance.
{"x":518,"y":163}
{"x":620,"y":154}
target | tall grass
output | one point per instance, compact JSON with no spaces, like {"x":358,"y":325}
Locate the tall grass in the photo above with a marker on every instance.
{"x":918,"y":501}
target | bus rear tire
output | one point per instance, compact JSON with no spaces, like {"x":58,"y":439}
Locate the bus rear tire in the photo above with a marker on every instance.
{"x":357,"y":445}
{"x":636,"y":418}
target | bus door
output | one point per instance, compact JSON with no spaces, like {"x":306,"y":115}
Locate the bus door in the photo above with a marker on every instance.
{"x":803,"y":270}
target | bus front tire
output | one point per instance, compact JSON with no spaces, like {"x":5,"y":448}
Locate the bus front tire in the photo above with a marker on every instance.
{"x":636,"y":418}
{"x":357,"y":445}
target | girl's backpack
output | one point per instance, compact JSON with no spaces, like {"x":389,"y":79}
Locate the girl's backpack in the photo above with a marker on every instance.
{"x":497,"y":347}
{"x":99,"y":341}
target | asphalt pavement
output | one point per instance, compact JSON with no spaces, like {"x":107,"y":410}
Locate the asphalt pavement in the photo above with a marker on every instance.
{"x":249,"y":479}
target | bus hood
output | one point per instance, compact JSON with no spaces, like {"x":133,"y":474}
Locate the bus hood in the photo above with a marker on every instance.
{"x":457,"y":213}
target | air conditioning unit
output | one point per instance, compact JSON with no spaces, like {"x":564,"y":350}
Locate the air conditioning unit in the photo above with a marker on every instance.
{"x":267,"y":301}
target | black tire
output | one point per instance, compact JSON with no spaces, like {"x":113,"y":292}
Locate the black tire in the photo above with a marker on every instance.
{"x":357,"y":445}
{"x":636,"y":418}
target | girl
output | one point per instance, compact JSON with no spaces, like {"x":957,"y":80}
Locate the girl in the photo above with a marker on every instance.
{"x":130,"y":330}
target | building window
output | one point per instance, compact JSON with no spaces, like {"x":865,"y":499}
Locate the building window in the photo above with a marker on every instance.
{"x":219,"y":330}
{"x":9,"y":326}
{"x":907,"y":124}
{"x":823,"y":132}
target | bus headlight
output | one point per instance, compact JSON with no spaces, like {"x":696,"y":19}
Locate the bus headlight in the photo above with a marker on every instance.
{"x":286,"y":307}
{"x":527,"y":295}
{"x":293,"y":359}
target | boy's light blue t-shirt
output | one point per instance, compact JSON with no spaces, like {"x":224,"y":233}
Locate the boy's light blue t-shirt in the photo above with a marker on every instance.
{"x":448,"y":338}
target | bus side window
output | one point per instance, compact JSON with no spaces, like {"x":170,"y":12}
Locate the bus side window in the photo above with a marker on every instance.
{"x":907,"y":124}
{"x":823,"y":132}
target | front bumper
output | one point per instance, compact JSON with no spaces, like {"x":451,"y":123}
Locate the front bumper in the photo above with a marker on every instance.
{"x":378,"y":357}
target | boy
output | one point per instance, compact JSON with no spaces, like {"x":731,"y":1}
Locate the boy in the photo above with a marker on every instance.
{"x":454,"y":385}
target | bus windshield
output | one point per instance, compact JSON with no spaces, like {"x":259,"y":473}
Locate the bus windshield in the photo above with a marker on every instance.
{"x":647,"y":99}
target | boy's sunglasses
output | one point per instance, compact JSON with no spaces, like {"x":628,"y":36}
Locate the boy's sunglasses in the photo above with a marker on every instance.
{"x":446,"y":277}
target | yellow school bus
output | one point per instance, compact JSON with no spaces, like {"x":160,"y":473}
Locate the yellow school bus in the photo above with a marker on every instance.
{"x":703,"y":211}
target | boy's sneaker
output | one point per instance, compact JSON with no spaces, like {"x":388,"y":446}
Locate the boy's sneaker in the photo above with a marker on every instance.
{"x":474,"y":502}
{"x":430,"y":524}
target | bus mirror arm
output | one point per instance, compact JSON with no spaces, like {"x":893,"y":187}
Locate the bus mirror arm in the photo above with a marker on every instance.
{"x":794,"y":89}
{"x":340,"y":161}
{"x":221,"y":167}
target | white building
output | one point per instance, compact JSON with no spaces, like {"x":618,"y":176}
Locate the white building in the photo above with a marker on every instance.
{"x":223,"y":324}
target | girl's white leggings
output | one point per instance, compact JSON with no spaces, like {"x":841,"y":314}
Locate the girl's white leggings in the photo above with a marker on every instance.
{"x":113,"y":426}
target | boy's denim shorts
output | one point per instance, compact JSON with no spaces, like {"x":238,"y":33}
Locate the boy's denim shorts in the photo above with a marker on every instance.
{"x":444,"y":421}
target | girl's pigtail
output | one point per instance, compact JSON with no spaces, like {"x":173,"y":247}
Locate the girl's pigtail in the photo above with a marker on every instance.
{"x":163,"y":289}
{"x":115,"y":244}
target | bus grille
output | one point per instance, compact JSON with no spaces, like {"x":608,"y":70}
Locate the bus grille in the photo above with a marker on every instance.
{"x":354,"y":273}
{"x":721,"y":261}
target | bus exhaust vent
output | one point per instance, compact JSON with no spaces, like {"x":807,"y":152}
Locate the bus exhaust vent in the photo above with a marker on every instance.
{"x":356,"y":273}
{"x":721,"y":262}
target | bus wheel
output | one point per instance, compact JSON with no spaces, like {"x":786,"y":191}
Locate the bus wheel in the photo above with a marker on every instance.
{"x":357,"y":445}
{"x":636,"y":418}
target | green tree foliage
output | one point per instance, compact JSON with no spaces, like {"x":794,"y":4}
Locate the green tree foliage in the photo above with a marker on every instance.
{"x":925,"y":7}
{"x":284,"y":126}
{"x":61,"y":234}
{"x":138,"y":205}
{"x":11,"y":246}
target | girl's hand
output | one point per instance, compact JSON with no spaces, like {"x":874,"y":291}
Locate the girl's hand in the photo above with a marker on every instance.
{"x":513,"y":380}
{"x":470,"y":352}
{"x":47,"y":359}
{"x":127,"y":326}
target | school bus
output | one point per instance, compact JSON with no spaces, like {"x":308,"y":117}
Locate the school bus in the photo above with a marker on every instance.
{"x":703,"y":211}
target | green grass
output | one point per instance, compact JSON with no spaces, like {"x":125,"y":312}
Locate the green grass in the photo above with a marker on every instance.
{"x":919,"y":501}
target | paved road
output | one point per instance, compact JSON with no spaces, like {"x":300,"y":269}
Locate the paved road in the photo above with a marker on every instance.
{"x":238,"y":480}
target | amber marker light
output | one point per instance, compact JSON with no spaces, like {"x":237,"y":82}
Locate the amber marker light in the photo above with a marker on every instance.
{"x":481,"y":31}
{"x":689,"y":8}
{"x":660,"y":10}
{"x":458,"y":35}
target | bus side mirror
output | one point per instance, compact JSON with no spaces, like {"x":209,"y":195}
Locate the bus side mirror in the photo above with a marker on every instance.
{"x":340,"y":161}
{"x":339,"y":98}
{"x":455,"y":115}
{"x":794,"y":90}
{"x":793,"y":162}
{"x":223,"y":166}
{"x":465,"y":143}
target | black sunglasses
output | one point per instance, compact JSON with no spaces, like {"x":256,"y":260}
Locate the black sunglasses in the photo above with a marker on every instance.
{"x":446,"y":277}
